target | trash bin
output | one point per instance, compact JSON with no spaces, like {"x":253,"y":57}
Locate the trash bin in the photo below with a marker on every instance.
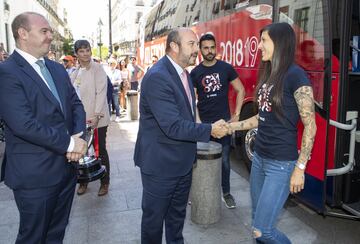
{"x":132,"y":105}
{"x":205,"y":192}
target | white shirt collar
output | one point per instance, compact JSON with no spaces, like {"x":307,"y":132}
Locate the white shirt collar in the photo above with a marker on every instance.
{"x":178,"y":68}
{"x":28,"y":57}
{"x":32,"y":61}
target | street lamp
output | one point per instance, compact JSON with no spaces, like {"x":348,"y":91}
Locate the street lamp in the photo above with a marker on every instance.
{"x":110,"y":29}
{"x":6,"y":19}
{"x":100,"y":24}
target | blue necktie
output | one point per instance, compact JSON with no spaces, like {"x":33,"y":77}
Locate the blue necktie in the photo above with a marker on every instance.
{"x":47,"y":76}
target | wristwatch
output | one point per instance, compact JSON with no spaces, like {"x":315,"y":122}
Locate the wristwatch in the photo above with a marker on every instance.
{"x":301,"y":166}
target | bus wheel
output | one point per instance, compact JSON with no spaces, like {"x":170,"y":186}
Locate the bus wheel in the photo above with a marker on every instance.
{"x":247,"y":137}
{"x":249,"y":142}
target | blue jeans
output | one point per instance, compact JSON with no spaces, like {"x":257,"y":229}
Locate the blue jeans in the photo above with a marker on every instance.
{"x":134,"y":85}
{"x":269,"y":187}
{"x":225,"y":171}
{"x":115,"y":97}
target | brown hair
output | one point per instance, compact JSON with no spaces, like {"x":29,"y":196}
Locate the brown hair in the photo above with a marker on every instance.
{"x":173,"y":36}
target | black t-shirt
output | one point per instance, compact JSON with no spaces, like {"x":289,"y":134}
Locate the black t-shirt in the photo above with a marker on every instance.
{"x":277,"y":138}
{"x":212,"y":85}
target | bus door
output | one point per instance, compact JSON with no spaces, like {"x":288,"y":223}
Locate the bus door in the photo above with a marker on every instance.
{"x":310,"y":22}
{"x":344,"y":180}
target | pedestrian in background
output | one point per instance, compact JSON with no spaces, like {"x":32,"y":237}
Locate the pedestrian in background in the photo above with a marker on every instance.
{"x":212,"y":79}
{"x":44,"y":120}
{"x":69,"y":64}
{"x":165,"y":148}
{"x":90,"y":81}
{"x":136,"y":73}
{"x":154,"y":60}
{"x":3,"y":54}
{"x":125,"y":84}
{"x":284,"y":94}
{"x":115,"y":78}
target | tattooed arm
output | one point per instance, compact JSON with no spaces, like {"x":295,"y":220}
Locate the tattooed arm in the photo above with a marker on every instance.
{"x":305,"y":102}
{"x":245,"y":124}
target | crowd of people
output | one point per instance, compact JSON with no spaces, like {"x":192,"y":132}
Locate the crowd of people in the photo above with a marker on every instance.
{"x":50,"y":104}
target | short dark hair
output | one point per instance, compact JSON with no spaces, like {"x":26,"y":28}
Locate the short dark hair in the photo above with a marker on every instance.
{"x":81,"y":44}
{"x":22,"y":21}
{"x":173,"y":36}
{"x":207,"y":37}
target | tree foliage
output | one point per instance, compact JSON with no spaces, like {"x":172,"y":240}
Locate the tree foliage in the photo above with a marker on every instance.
{"x":68,"y":46}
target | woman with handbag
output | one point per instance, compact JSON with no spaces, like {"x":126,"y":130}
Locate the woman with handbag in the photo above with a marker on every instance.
{"x":125,"y":84}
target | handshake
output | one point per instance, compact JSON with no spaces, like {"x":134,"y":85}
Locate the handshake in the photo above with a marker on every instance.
{"x":220,"y":129}
{"x":79,"y":149}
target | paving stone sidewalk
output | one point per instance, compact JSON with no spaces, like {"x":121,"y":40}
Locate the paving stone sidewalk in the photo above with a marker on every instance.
{"x":116,"y":217}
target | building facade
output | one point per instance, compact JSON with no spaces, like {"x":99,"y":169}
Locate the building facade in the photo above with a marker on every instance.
{"x":125,"y":16}
{"x":9,"y":9}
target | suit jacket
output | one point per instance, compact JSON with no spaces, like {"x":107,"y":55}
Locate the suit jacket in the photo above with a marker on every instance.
{"x":92,"y":84}
{"x":167,"y":136}
{"x":2,"y":151}
{"x":37,"y":130}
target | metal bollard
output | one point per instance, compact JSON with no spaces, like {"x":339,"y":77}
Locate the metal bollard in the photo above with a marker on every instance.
{"x":132,"y":104}
{"x":205,"y":192}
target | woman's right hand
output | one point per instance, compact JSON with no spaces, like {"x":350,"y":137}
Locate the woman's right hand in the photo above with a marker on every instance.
{"x":246,"y":124}
{"x":232,"y":127}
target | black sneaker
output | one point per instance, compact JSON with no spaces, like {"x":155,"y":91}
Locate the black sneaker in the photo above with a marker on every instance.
{"x":229,"y":200}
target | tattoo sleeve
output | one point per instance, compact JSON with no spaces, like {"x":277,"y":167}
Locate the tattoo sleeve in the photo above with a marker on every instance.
{"x":305,"y":101}
{"x":246,"y":124}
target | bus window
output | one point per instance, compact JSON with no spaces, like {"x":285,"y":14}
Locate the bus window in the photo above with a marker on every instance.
{"x":354,"y":65}
{"x":213,"y":9}
{"x":306,"y":17}
{"x":337,"y":9}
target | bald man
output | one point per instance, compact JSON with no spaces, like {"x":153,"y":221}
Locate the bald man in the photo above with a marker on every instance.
{"x":166,"y":144}
{"x":44,"y":120}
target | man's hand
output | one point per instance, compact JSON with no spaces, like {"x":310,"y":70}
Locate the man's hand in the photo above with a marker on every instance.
{"x":80,"y":147}
{"x":93,"y":122}
{"x":73,"y":157}
{"x":219,"y":129}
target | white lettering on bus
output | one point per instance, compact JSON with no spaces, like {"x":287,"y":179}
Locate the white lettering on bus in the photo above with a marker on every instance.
{"x":235,"y":53}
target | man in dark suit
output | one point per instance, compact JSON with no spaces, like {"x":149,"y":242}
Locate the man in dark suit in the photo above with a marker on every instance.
{"x":44,"y":120}
{"x":166,"y":144}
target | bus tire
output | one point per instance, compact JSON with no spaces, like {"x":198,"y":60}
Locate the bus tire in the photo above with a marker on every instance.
{"x":247,"y":137}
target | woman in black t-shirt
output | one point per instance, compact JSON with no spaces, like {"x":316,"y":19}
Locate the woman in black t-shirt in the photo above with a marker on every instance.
{"x":284,"y":94}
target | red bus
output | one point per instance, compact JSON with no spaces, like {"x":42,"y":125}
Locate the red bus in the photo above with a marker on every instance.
{"x":328,"y":45}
